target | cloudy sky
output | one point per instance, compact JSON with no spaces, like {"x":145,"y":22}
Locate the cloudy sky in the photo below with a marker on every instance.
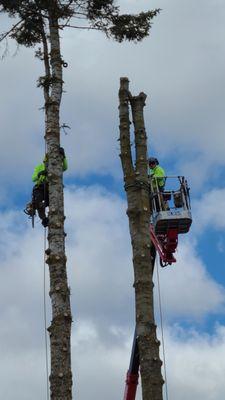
{"x":181,"y":67}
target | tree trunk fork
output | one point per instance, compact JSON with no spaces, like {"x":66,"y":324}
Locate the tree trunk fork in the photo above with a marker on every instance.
{"x":137,"y":190}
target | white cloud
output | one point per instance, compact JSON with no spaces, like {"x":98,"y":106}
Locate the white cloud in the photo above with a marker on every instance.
{"x":99,"y":268}
{"x":184,"y":112}
{"x":21,"y":120}
{"x":99,"y":256}
{"x":101,"y":277}
{"x":187,"y":289}
{"x":102,"y":365}
{"x":209,"y":211}
{"x":195,"y":364}
{"x":185,"y":121}
{"x":21,"y":311}
{"x":221,"y":245}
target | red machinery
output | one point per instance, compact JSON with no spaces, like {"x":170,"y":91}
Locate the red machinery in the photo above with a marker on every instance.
{"x":132,"y":373}
{"x":165,"y":245}
{"x":171,"y":216}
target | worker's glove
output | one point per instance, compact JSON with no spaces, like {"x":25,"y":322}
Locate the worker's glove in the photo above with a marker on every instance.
{"x":42,"y":173}
{"x":62,"y":152}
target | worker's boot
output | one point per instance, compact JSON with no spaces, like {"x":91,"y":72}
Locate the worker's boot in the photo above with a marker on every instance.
{"x":41,"y":213}
{"x":45,"y":222}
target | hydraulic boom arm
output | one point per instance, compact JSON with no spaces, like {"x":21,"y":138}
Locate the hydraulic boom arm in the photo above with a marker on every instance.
{"x":133,"y":371}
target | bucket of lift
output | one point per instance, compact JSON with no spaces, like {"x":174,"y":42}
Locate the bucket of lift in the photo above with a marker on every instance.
{"x":171,"y":216}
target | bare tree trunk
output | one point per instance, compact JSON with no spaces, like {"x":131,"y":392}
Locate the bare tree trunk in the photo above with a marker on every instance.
{"x":60,"y":329}
{"x":137,"y":190}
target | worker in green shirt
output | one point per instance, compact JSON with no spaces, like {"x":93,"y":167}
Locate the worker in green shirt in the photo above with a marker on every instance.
{"x":157,"y":174}
{"x":157,"y":180}
{"x":40,"y":194}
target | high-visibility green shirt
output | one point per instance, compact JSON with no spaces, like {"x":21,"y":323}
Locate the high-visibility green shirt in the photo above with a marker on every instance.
{"x":42,"y":167}
{"x":159,"y":174}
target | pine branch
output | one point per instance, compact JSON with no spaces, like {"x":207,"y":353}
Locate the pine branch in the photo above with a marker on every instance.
{"x":4,"y":35}
{"x":82,"y":27}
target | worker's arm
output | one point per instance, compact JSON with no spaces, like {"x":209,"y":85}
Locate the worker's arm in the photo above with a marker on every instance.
{"x":39,"y":174}
{"x":159,"y":172}
{"x":158,"y":176}
{"x":35,"y":176}
{"x":65,"y":164}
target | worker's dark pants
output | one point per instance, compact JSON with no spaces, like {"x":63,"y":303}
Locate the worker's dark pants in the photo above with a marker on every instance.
{"x":41,"y":199}
{"x":158,"y":205}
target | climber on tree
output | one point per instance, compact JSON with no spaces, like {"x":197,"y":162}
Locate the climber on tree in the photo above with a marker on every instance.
{"x":157,"y":174}
{"x":40,"y":195}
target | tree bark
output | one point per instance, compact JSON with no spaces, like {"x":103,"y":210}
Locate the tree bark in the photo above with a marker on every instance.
{"x":137,"y":190}
{"x":60,"y":329}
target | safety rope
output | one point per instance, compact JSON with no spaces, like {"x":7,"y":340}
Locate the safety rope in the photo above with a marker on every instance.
{"x":45,"y":320}
{"x":162,"y":328}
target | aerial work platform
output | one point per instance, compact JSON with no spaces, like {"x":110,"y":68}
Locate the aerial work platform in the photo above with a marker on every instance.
{"x":171,"y":215}
{"x":171,"y":208}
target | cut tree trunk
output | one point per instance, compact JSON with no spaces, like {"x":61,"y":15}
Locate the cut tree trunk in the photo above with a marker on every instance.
{"x":137,"y":190}
{"x":60,"y":329}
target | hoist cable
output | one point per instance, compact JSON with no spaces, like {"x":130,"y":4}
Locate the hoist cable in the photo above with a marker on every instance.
{"x":162,"y":328}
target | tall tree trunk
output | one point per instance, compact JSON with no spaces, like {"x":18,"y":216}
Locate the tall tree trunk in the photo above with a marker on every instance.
{"x":137,"y":190}
{"x":60,"y":329}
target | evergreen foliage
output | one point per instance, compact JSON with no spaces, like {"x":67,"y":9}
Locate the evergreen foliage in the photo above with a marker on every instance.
{"x":103,"y":15}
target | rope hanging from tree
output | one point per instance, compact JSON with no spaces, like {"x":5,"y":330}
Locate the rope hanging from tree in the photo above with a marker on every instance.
{"x":45,"y":319}
{"x":162,"y":326}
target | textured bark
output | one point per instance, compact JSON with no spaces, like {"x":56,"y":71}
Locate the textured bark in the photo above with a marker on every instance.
{"x":60,"y":329}
{"x":137,"y":190}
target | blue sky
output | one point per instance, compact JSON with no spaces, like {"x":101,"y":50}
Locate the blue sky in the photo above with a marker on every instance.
{"x":181,"y":69}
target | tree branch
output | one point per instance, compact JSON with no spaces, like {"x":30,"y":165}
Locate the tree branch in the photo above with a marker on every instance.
{"x":11,"y":30}
{"x":80,"y":27}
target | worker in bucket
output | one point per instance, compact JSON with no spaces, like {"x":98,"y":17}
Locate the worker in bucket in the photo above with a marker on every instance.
{"x":156,"y":174}
{"x":40,"y":194}
{"x":157,"y":184}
